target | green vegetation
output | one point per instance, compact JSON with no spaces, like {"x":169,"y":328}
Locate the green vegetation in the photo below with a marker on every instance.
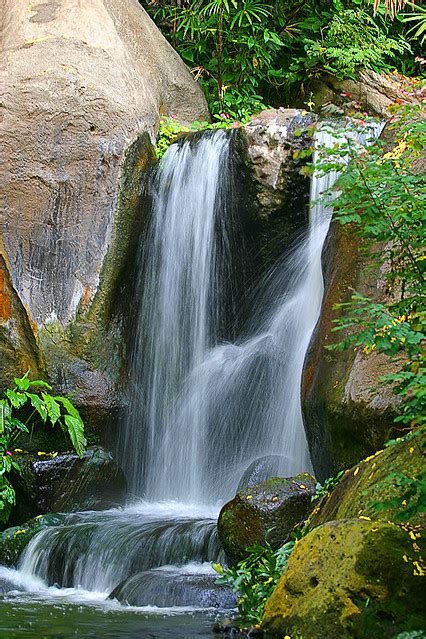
{"x":255,"y":577}
{"x":382,"y":195}
{"x":251,"y":53}
{"x":171,"y":130}
{"x":16,"y":419}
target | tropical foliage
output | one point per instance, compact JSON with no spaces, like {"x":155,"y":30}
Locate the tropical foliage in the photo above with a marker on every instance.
{"x":382,"y":195}
{"x":255,"y":578}
{"x":252,"y":53}
{"x":23,"y":407}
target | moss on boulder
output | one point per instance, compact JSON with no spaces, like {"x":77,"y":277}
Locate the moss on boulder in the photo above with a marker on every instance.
{"x":14,"y":540}
{"x":368,"y":483}
{"x":265,"y":512}
{"x":350,"y":578}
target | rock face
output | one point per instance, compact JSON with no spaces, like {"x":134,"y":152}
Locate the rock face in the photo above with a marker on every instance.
{"x":164,"y":588}
{"x":368,"y":483}
{"x":374,"y":92}
{"x":347,"y":417}
{"x":262,"y":469}
{"x":67,"y":483}
{"x":85,"y":84}
{"x":14,"y":540}
{"x":351,"y":578}
{"x":266,"y":512}
{"x":279,"y":191}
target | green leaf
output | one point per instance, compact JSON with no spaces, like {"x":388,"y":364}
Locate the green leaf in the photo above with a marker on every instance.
{"x":39,"y":405}
{"x":17,"y":399}
{"x":22,"y":383}
{"x":53,"y":408}
{"x":75,"y":429}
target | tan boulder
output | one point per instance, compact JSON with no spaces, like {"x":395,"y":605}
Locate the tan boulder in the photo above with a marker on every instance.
{"x":83,"y":87}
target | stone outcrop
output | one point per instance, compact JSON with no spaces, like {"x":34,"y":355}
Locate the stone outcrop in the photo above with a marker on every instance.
{"x":347,"y":414}
{"x":350,"y":579}
{"x":164,"y":588}
{"x":278,"y":189}
{"x":369,"y":91}
{"x":376,"y":481}
{"x":65,"y":483}
{"x":84,"y":86}
{"x":265,"y":512}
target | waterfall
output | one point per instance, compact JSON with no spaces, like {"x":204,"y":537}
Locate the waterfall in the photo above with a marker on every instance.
{"x":202,"y":408}
{"x":184,"y":260}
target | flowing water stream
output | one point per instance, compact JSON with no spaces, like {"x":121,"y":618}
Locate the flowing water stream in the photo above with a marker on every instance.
{"x":201,"y":410}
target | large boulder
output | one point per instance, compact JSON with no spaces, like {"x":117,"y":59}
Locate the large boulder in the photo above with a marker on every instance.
{"x":84,"y":86}
{"x":350,"y":579}
{"x":348,"y":415}
{"x":373,"y":487}
{"x":265,"y":512}
{"x":262,"y":469}
{"x":167,"y":586}
{"x":51,"y":482}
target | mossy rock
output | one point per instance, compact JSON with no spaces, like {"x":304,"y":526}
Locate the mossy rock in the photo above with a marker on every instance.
{"x":14,"y":540}
{"x":265,"y":512}
{"x":368,"y":484}
{"x":51,"y":482}
{"x":351,"y":579}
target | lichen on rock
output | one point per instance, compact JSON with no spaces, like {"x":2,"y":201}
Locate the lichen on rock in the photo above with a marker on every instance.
{"x":350,"y":579}
{"x":265,"y":512}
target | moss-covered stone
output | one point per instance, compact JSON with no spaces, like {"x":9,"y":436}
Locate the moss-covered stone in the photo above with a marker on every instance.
{"x":368,"y":484}
{"x":266,"y":512}
{"x":64,"y":482}
{"x":14,"y":540}
{"x":350,"y":579}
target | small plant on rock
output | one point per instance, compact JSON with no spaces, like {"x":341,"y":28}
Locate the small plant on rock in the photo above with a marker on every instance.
{"x":17,"y":418}
{"x":255,"y":578}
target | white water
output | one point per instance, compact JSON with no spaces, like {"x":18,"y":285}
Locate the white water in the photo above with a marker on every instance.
{"x":202,"y":410}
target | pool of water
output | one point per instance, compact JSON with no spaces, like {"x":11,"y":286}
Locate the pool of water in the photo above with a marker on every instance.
{"x":25,"y":615}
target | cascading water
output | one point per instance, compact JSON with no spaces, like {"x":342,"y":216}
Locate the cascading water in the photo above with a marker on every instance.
{"x":201,"y":409}
{"x":185,"y":255}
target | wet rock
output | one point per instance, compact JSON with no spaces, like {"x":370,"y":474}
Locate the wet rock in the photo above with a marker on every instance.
{"x":350,"y":579}
{"x":168,"y":586}
{"x":272,"y":139}
{"x":67,"y":483}
{"x":14,"y":540}
{"x":276,"y":191}
{"x":262,"y":469}
{"x":79,"y":113}
{"x":347,"y":414}
{"x":266,"y":512}
{"x":369,"y":483}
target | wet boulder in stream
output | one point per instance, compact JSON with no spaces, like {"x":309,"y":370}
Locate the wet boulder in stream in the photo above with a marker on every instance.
{"x":191,"y":585}
{"x":65,"y":482}
{"x":265,"y":512}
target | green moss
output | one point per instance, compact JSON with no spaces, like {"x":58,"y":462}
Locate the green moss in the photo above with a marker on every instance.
{"x":14,"y":540}
{"x":353,"y":579}
{"x":367,"y":484}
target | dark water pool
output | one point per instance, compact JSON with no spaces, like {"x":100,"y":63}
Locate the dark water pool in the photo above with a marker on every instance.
{"x":22,"y":617}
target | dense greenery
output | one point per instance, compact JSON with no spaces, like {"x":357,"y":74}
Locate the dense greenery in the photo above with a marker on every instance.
{"x":16,"y":419}
{"x":249,"y":53}
{"x":255,"y":577}
{"x":382,"y":195}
